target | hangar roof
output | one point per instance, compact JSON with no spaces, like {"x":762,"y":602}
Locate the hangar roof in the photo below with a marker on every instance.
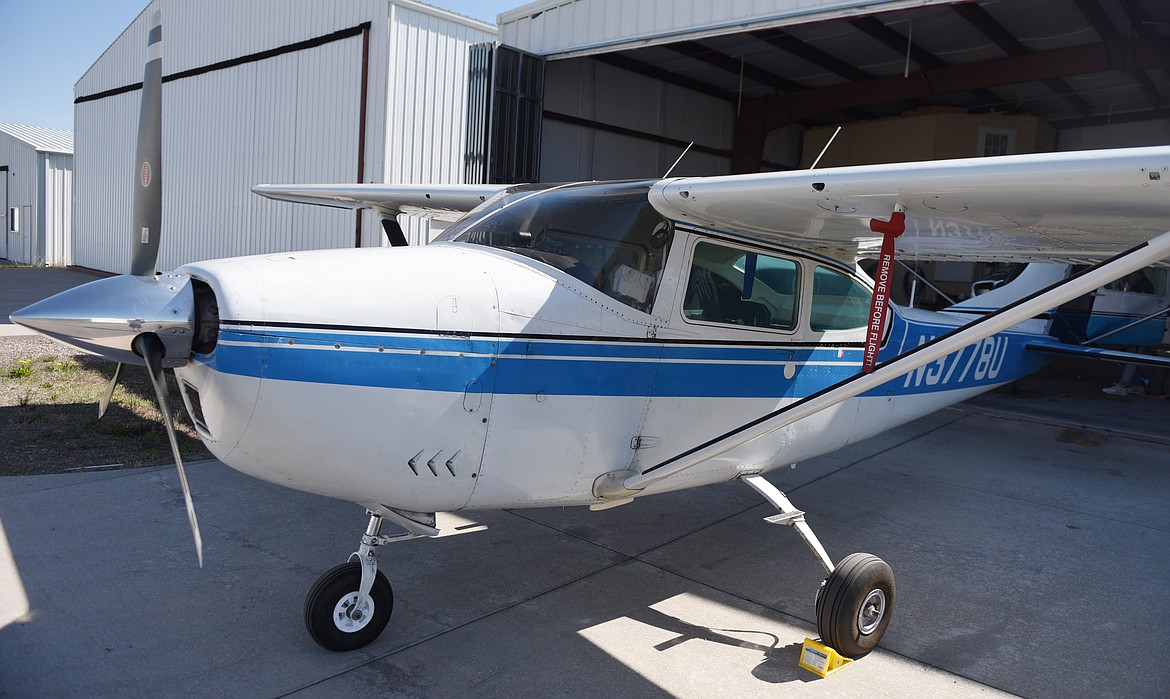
{"x":40,"y":139}
{"x":1071,"y":62}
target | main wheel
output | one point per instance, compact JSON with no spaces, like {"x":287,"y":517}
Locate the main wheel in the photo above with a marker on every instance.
{"x":855,"y":603}
{"x":330,"y":615}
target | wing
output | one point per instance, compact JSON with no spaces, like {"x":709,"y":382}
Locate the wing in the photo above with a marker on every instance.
{"x":1060,"y":207}
{"x":390,"y":199}
{"x":1086,"y":352}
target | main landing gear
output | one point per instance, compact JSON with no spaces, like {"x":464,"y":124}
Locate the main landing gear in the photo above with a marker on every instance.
{"x":856,"y":600}
{"x":349,"y":606}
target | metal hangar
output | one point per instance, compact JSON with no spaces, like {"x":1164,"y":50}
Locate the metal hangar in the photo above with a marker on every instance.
{"x":756,"y":85}
{"x":271,"y":91}
{"x":37,"y":166}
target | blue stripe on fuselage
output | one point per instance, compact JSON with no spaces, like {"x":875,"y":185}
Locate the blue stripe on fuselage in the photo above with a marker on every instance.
{"x":599,"y":366}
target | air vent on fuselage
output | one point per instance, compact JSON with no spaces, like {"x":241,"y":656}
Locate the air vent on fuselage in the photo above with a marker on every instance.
{"x":435,"y":463}
{"x":195,"y":407}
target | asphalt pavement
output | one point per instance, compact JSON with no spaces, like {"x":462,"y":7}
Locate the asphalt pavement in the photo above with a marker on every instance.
{"x":1029,"y":535}
{"x":21,"y":286}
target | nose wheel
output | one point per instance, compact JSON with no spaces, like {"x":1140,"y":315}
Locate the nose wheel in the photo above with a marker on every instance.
{"x":350,"y":605}
{"x":339,"y":617}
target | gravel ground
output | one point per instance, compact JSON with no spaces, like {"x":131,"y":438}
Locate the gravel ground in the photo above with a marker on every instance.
{"x":48,"y":413}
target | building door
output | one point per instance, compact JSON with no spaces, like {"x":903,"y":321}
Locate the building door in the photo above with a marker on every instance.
{"x":505,"y":111}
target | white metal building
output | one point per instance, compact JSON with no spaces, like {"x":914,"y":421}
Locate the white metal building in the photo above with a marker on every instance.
{"x":37,"y":167}
{"x":271,"y":91}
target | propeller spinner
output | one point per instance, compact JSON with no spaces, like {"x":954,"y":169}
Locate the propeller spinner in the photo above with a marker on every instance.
{"x":141,"y":318}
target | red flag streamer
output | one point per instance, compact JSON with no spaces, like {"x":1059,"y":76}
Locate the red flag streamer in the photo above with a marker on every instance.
{"x":879,"y":307}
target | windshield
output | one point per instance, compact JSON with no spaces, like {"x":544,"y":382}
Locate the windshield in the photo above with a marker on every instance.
{"x":606,"y":235}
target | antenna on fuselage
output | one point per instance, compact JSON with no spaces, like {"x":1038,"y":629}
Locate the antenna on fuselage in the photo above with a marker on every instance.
{"x":672,"y":167}
{"x":814,"y":165}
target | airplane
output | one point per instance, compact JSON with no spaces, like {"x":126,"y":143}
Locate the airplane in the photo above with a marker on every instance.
{"x":1127,"y":312}
{"x":592,"y":343}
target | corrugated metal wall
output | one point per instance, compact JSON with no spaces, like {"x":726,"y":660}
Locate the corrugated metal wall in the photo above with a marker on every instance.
{"x":426,"y":130}
{"x":103,"y":143}
{"x":40,"y":187}
{"x":559,"y":29}
{"x":284,"y":118}
{"x":55,"y":203}
{"x":596,"y":92}
{"x":198,"y":34}
{"x":602,"y":122}
{"x":291,"y":117}
{"x":21,"y":160}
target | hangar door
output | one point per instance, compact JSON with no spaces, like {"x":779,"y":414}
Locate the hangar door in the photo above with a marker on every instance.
{"x":505,"y":111}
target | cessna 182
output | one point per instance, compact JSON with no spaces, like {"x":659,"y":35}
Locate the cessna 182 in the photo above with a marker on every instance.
{"x":594,"y":343}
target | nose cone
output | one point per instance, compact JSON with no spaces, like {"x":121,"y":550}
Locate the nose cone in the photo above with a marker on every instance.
{"x":103,"y":317}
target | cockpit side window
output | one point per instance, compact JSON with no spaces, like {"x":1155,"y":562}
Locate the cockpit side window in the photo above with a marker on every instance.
{"x":607,"y":235}
{"x":735,"y":287}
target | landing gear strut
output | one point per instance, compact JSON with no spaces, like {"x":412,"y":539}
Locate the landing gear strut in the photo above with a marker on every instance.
{"x":349,"y":606}
{"x":856,"y":600}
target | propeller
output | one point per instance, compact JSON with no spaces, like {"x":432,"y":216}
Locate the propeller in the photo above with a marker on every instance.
{"x":104,"y":403}
{"x":152,"y":350}
{"x":147,"y":221}
{"x":142,"y":318}
{"x":147,"y":202}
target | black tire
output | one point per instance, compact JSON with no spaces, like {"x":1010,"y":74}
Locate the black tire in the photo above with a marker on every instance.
{"x":329,"y":591}
{"x":859,"y":578}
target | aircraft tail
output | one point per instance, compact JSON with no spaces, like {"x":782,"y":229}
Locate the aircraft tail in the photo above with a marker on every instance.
{"x":1033,"y":278}
{"x":1037,"y":276}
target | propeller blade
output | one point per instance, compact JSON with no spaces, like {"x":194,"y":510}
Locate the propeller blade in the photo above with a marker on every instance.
{"x":105,"y":401}
{"x":147,"y":220}
{"x":152,"y":350}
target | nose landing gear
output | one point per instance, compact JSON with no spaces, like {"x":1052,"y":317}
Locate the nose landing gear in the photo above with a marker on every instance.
{"x":339,"y":617}
{"x":350,"y":605}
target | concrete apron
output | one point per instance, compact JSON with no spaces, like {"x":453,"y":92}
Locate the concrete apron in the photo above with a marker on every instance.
{"x":1024,"y":564}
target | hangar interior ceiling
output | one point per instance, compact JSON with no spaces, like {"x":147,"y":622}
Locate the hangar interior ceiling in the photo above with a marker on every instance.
{"x":1073,"y":63}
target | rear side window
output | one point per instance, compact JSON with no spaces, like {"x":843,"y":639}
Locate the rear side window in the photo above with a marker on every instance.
{"x":839,"y":302}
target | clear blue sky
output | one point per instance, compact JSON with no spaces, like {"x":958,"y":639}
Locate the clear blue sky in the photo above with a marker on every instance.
{"x":49,"y":44}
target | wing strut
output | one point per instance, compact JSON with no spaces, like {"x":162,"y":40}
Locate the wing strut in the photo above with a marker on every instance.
{"x":623,"y":485}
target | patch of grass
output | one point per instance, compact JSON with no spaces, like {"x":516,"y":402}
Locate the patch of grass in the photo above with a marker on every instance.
{"x":48,"y":412}
{"x":63,"y":367}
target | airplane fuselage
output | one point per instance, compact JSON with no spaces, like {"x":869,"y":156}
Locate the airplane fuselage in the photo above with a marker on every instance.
{"x":459,"y":376}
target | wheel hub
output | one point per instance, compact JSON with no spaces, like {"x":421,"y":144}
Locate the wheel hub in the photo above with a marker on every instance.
{"x":349,"y":617}
{"x":869,"y":617}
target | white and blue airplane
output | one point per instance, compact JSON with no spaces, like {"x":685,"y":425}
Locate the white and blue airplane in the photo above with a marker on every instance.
{"x":590,"y":344}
